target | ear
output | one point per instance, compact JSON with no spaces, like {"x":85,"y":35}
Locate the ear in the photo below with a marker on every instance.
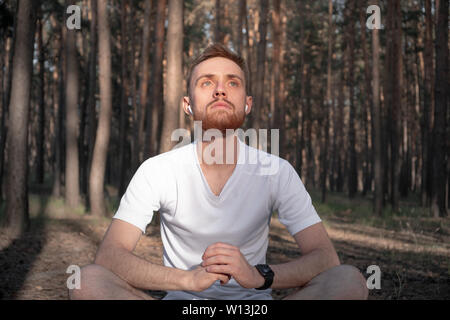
{"x":249,"y":102}
{"x":186,"y":104}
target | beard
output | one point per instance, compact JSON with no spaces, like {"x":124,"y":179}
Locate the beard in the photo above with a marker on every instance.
{"x":221,"y":119}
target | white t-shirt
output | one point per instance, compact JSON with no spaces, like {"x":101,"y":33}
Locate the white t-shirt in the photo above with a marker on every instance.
{"x":193,"y":217}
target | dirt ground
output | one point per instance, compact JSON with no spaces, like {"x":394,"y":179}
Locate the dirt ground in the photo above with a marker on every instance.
{"x":414,"y":265}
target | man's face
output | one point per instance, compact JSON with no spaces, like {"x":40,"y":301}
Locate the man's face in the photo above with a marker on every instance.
{"x":218,"y":95}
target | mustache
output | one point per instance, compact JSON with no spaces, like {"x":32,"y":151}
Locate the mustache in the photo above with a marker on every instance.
{"x":224,"y":100}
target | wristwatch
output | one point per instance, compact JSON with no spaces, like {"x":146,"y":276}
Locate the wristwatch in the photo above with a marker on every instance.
{"x":268,"y":275}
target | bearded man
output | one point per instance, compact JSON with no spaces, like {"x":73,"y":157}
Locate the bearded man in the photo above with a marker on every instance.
{"x":215,"y":206}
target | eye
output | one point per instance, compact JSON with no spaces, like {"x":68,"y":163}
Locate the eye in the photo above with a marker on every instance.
{"x":234,"y":83}
{"x":206,"y":83}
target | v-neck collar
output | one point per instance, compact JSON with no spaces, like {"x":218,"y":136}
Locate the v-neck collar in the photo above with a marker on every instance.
{"x":231,"y":179}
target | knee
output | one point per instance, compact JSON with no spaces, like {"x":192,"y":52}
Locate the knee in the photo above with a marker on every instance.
{"x":353,"y":282}
{"x":88,"y":276}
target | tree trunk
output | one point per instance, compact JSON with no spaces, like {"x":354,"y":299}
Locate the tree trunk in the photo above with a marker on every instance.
{"x":124,"y":98}
{"x":133,"y":75}
{"x":16,"y":218}
{"x":261,"y":59}
{"x":376,"y":119}
{"x":143,"y":87}
{"x":242,"y":11}
{"x":58,"y":106}
{"x":353,"y":173}
{"x":92,"y":86}
{"x":328,"y":105}
{"x":9,"y":52}
{"x":41,"y":107}
{"x":438,"y":199}
{"x":97,"y":174}
{"x":367,"y":109}
{"x":428,"y":98}
{"x":396,"y":83}
{"x":310,"y":173}
{"x":174,"y":78}
{"x":300,"y":114}
{"x":72,"y":184}
{"x":155,"y":105}
{"x":340,"y":134}
{"x":276,"y":75}
{"x":218,"y":34}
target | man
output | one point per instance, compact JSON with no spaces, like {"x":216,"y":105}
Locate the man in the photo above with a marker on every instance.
{"x":215,"y":198}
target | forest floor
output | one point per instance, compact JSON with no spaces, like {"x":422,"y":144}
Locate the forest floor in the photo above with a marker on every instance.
{"x":413,"y":253}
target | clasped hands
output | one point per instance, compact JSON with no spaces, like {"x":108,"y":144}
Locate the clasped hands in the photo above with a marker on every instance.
{"x":221,"y":261}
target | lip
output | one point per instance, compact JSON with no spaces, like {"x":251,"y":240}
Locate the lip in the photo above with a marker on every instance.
{"x":221,"y":104}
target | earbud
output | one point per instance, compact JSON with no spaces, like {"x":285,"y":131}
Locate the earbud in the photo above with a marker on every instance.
{"x":246,"y":107}
{"x":190,"y":109}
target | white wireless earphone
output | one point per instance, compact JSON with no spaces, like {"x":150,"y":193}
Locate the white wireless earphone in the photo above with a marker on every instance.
{"x":246,"y":107}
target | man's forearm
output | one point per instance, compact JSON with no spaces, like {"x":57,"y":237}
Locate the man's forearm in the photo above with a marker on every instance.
{"x":140,"y":273}
{"x":298,"y":272}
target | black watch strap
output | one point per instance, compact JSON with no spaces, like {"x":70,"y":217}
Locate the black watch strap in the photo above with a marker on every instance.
{"x":267,"y":274}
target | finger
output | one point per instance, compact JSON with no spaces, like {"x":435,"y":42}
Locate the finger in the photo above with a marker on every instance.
{"x":220,"y":268}
{"x":220,"y":259}
{"x":219,"y":251}
{"x":222,"y":245}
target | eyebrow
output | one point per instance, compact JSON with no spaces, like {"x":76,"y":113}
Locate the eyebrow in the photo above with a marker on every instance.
{"x":211,"y":75}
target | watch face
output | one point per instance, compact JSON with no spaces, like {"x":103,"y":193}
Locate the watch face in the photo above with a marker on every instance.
{"x":264,"y":268}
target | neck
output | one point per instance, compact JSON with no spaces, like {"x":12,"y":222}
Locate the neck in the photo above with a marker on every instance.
{"x":220,"y":151}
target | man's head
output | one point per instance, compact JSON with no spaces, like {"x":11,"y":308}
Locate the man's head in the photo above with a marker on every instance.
{"x":217,"y":86}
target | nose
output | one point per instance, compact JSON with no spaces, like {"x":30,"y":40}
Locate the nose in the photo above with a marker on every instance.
{"x":220,"y":91}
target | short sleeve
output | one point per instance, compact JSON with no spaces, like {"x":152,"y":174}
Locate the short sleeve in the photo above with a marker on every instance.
{"x":142,"y":196}
{"x":292,"y":201}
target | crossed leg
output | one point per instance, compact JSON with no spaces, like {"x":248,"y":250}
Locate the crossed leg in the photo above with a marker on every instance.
{"x":340,"y":282}
{"x":343,"y":282}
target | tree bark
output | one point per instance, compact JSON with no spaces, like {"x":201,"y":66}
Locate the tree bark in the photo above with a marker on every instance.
{"x":376,"y":119}
{"x":275,"y":106}
{"x":367,"y":109}
{"x":97,"y":174}
{"x":5,"y":104}
{"x":72,"y":183}
{"x":16,"y":218}
{"x":426,"y":124}
{"x":328,"y":105}
{"x":143,"y":86}
{"x":395,"y":106}
{"x":124,"y":98}
{"x":242,"y":11}
{"x":261,"y":60}
{"x":353,"y":171}
{"x":218,"y":34}
{"x":41,"y":106}
{"x":155,"y":105}
{"x":174,"y":77}
{"x":438,"y":199}
{"x":58,"y":106}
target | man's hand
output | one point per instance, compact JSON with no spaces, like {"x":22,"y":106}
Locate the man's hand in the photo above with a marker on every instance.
{"x":200,"y":280}
{"x":227,"y":259}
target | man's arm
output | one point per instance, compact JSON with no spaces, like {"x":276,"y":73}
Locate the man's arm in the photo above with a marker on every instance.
{"x":116,"y":254}
{"x":318,"y":255}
